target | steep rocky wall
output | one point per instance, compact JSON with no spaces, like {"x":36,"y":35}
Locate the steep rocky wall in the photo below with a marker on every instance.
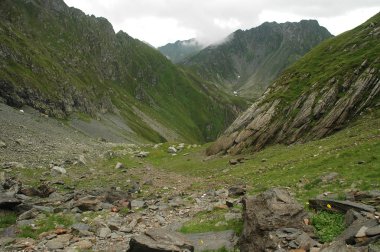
{"x":308,"y":103}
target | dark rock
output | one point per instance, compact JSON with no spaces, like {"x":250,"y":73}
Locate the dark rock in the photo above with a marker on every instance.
{"x":236,"y":191}
{"x":43,"y":191}
{"x":351,"y":216}
{"x":138,"y":204}
{"x":233,"y":162}
{"x":8,"y":202}
{"x":348,"y":235}
{"x":88,"y":203}
{"x":266,"y":213}
{"x":160,"y":240}
{"x":339,"y":205}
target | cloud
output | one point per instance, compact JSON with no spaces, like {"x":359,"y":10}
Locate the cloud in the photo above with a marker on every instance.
{"x":162,"y":21}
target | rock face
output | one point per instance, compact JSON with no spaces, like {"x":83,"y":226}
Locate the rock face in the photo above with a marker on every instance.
{"x":248,"y":61}
{"x":159,"y":240}
{"x":314,"y":97}
{"x":274,"y":220}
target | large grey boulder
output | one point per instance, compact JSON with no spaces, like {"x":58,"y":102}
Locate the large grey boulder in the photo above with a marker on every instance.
{"x":271,"y":218}
{"x":160,"y":240}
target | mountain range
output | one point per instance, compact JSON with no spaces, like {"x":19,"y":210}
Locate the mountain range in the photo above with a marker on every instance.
{"x":73,"y":66}
{"x":248,"y":61}
{"x":320,"y":94}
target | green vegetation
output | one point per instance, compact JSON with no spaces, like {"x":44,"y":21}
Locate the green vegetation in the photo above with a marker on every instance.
{"x":270,"y":48}
{"x":298,"y":166}
{"x":211,"y":221}
{"x":45,"y":224}
{"x":328,"y":225}
{"x":78,"y":64}
{"x":7,"y":219}
{"x":336,"y":57}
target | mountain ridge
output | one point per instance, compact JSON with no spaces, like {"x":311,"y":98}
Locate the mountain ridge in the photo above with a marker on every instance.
{"x":316,"y":96}
{"x":247,"y":61}
{"x":60,"y":61}
{"x":181,"y":49}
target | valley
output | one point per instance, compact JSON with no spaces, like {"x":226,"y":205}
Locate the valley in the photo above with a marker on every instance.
{"x":107,"y":145}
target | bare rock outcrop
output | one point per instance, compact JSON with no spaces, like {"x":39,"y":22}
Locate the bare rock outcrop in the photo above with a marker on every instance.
{"x":274,"y":220}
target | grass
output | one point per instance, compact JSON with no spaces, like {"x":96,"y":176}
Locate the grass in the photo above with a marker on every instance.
{"x":328,"y":225}
{"x":138,"y":77}
{"x":212,"y":221}
{"x":45,"y":224}
{"x":7,"y":219}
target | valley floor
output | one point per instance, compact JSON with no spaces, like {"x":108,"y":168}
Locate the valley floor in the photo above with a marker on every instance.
{"x":185,"y":191}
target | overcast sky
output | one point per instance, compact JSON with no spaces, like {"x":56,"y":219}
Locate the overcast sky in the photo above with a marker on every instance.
{"x":159,"y":22}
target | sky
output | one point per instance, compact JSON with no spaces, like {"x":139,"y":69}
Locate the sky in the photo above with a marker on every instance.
{"x":159,"y":22}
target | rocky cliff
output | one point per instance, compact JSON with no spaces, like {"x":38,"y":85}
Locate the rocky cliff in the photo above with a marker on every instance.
{"x":61,"y":61}
{"x":318,"y":95}
{"x":248,"y":61}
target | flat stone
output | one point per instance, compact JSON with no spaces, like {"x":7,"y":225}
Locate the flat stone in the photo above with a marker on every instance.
{"x":55,"y":244}
{"x":212,"y":241}
{"x":104,"y":232}
{"x":80,"y":227}
{"x":160,"y":240}
{"x":373,"y":231}
{"x":83,"y":244}
{"x":138,"y":204}
{"x":57,"y":171}
{"x":32,"y":213}
{"x":361,"y":232}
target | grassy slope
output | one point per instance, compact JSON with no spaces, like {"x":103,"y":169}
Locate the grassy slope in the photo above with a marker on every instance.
{"x":286,"y":165}
{"x":274,"y":166}
{"x":82,"y":52}
{"x":335,"y":57}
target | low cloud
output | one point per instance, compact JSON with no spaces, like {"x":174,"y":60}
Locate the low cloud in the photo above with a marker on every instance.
{"x":162,"y":21}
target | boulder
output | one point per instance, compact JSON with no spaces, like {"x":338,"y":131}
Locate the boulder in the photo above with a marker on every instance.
{"x":236,"y":191}
{"x":160,"y":240}
{"x":266,"y":214}
{"x":57,"y":171}
{"x":3,"y":145}
{"x":172,"y":150}
{"x":142,"y":154}
{"x":213,"y":241}
{"x":88,"y":203}
{"x":119,"y":166}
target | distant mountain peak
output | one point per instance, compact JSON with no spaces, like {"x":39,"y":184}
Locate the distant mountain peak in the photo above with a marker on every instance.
{"x":256,"y":55}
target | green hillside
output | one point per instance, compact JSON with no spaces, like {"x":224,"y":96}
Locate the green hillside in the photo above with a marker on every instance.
{"x":248,"y":61}
{"x":61,"y":62}
{"x":318,"y":95}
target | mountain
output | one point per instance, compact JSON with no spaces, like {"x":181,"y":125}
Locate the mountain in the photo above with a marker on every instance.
{"x":325,"y":90}
{"x":180,"y":50}
{"x":248,"y":61}
{"x":73,"y":66}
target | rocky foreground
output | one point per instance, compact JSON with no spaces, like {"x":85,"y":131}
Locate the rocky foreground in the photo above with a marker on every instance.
{"x":116,"y":220}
